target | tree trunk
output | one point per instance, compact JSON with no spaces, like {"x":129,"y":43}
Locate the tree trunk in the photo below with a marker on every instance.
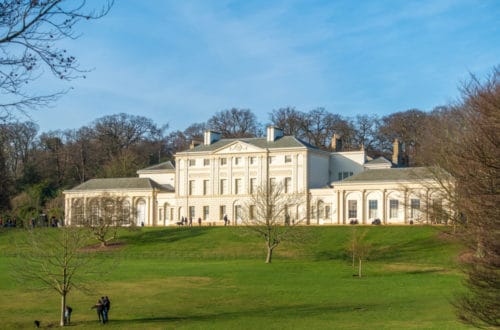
{"x":359,"y":268}
{"x":63,"y":306}
{"x":269,"y":255}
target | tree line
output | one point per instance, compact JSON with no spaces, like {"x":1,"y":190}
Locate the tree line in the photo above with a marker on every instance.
{"x":35,"y":166}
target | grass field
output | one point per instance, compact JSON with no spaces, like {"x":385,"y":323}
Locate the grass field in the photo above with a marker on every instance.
{"x":216,"y":278}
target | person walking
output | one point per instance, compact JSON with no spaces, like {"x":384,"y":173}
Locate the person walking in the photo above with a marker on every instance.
{"x":225,"y":220}
{"x":106,"y":304}
{"x":99,"y":307}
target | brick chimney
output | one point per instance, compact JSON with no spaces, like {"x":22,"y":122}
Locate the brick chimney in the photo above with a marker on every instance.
{"x":336,"y":143}
{"x":273,"y":133}
{"x":397,"y":153}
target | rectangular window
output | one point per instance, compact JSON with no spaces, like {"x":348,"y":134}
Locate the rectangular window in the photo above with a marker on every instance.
{"x":414,"y":208}
{"x":345,"y":175}
{"x":288,"y":158}
{"x":191,"y":187}
{"x":327,"y":212}
{"x":272,"y":159}
{"x":237,"y":186}
{"x":205,"y":187}
{"x":192,"y":162}
{"x":352,"y":206}
{"x":251,"y":212}
{"x":222,"y":211}
{"x":206,"y":211}
{"x":350,"y":173}
{"x":372,"y":208}
{"x":340,"y":176}
{"x":253,"y":160}
{"x":237,"y":160}
{"x":253,"y":185}
{"x":223,"y":161}
{"x":288,"y":185}
{"x":191,"y":212}
{"x":393,"y":208}
{"x":223,"y":186}
{"x":206,"y":162}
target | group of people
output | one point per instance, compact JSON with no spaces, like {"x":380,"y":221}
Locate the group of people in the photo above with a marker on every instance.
{"x":188,"y":222}
{"x":102,"y":307}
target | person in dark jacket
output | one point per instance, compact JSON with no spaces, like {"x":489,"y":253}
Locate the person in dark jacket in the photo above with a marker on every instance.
{"x":99,"y":307}
{"x":106,"y":304}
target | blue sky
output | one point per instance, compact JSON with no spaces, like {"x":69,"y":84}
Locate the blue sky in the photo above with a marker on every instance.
{"x":179,"y":62}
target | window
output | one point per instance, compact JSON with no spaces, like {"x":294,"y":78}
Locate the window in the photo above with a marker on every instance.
{"x":191,"y":187}
{"x":288,"y":158}
{"x":192,"y":162}
{"x":205,"y":187}
{"x":414,"y":208}
{"x":223,"y":161}
{"x":206,"y":162}
{"x":253,"y":160}
{"x":340,"y":176}
{"x":350,"y":173}
{"x":237,"y":160}
{"x":253,"y":185}
{"x":251,"y":212}
{"x":206,"y":211}
{"x":372,"y":208}
{"x":352,"y":206}
{"x":345,"y":175}
{"x":288,"y":185}
{"x":222,"y":211}
{"x":237,"y":186}
{"x":223,"y":186}
{"x":327,"y":212}
{"x":272,"y":159}
{"x":191,"y":212}
{"x":393,"y":208}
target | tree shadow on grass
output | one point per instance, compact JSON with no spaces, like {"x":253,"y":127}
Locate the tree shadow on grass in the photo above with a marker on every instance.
{"x":304,"y":310}
{"x":167,"y":235}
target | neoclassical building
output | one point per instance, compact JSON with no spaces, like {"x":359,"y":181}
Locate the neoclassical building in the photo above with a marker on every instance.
{"x":219,"y":176}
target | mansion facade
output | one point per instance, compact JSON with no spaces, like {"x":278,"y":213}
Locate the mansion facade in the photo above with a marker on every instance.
{"x":217,"y":178}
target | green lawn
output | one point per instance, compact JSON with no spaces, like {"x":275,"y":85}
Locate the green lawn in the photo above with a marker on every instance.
{"x":216,"y":278}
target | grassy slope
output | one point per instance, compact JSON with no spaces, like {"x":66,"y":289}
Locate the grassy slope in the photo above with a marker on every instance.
{"x":213,"y":278}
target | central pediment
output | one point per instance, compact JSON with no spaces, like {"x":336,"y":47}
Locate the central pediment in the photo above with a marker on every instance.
{"x":238,"y":147}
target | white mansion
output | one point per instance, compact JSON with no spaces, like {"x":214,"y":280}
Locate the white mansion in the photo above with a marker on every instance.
{"x":219,"y":176}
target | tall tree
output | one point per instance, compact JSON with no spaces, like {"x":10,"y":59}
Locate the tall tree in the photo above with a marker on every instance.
{"x":30,"y":31}
{"x":365,"y":130}
{"x":409,"y":127}
{"x":121,"y":131}
{"x":289,"y":120}
{"x":235,"y":123}
{"x":466,"y":147}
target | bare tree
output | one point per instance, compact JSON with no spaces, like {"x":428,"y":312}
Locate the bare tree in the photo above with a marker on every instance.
{"x":465,"y":145}
{"x":290,"y":120}
{"x":235,"y":123}
{"x":273,"y":214}
{"x":358,"y":248}
{"x":366,"y":128}
{"x":103,"y":216}
{"x":29,"y":33}
{"x":53,"y":259}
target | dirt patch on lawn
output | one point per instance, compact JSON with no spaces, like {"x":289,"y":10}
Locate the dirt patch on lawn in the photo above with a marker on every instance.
{"x":415,"y":269}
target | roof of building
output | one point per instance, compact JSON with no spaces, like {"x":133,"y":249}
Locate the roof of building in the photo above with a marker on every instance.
{"x":159,"y":167}
{"x":392,"y":174}
{"x":282,"y":142}
{"x":378,"y":161}
{"x":119,"y":183}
